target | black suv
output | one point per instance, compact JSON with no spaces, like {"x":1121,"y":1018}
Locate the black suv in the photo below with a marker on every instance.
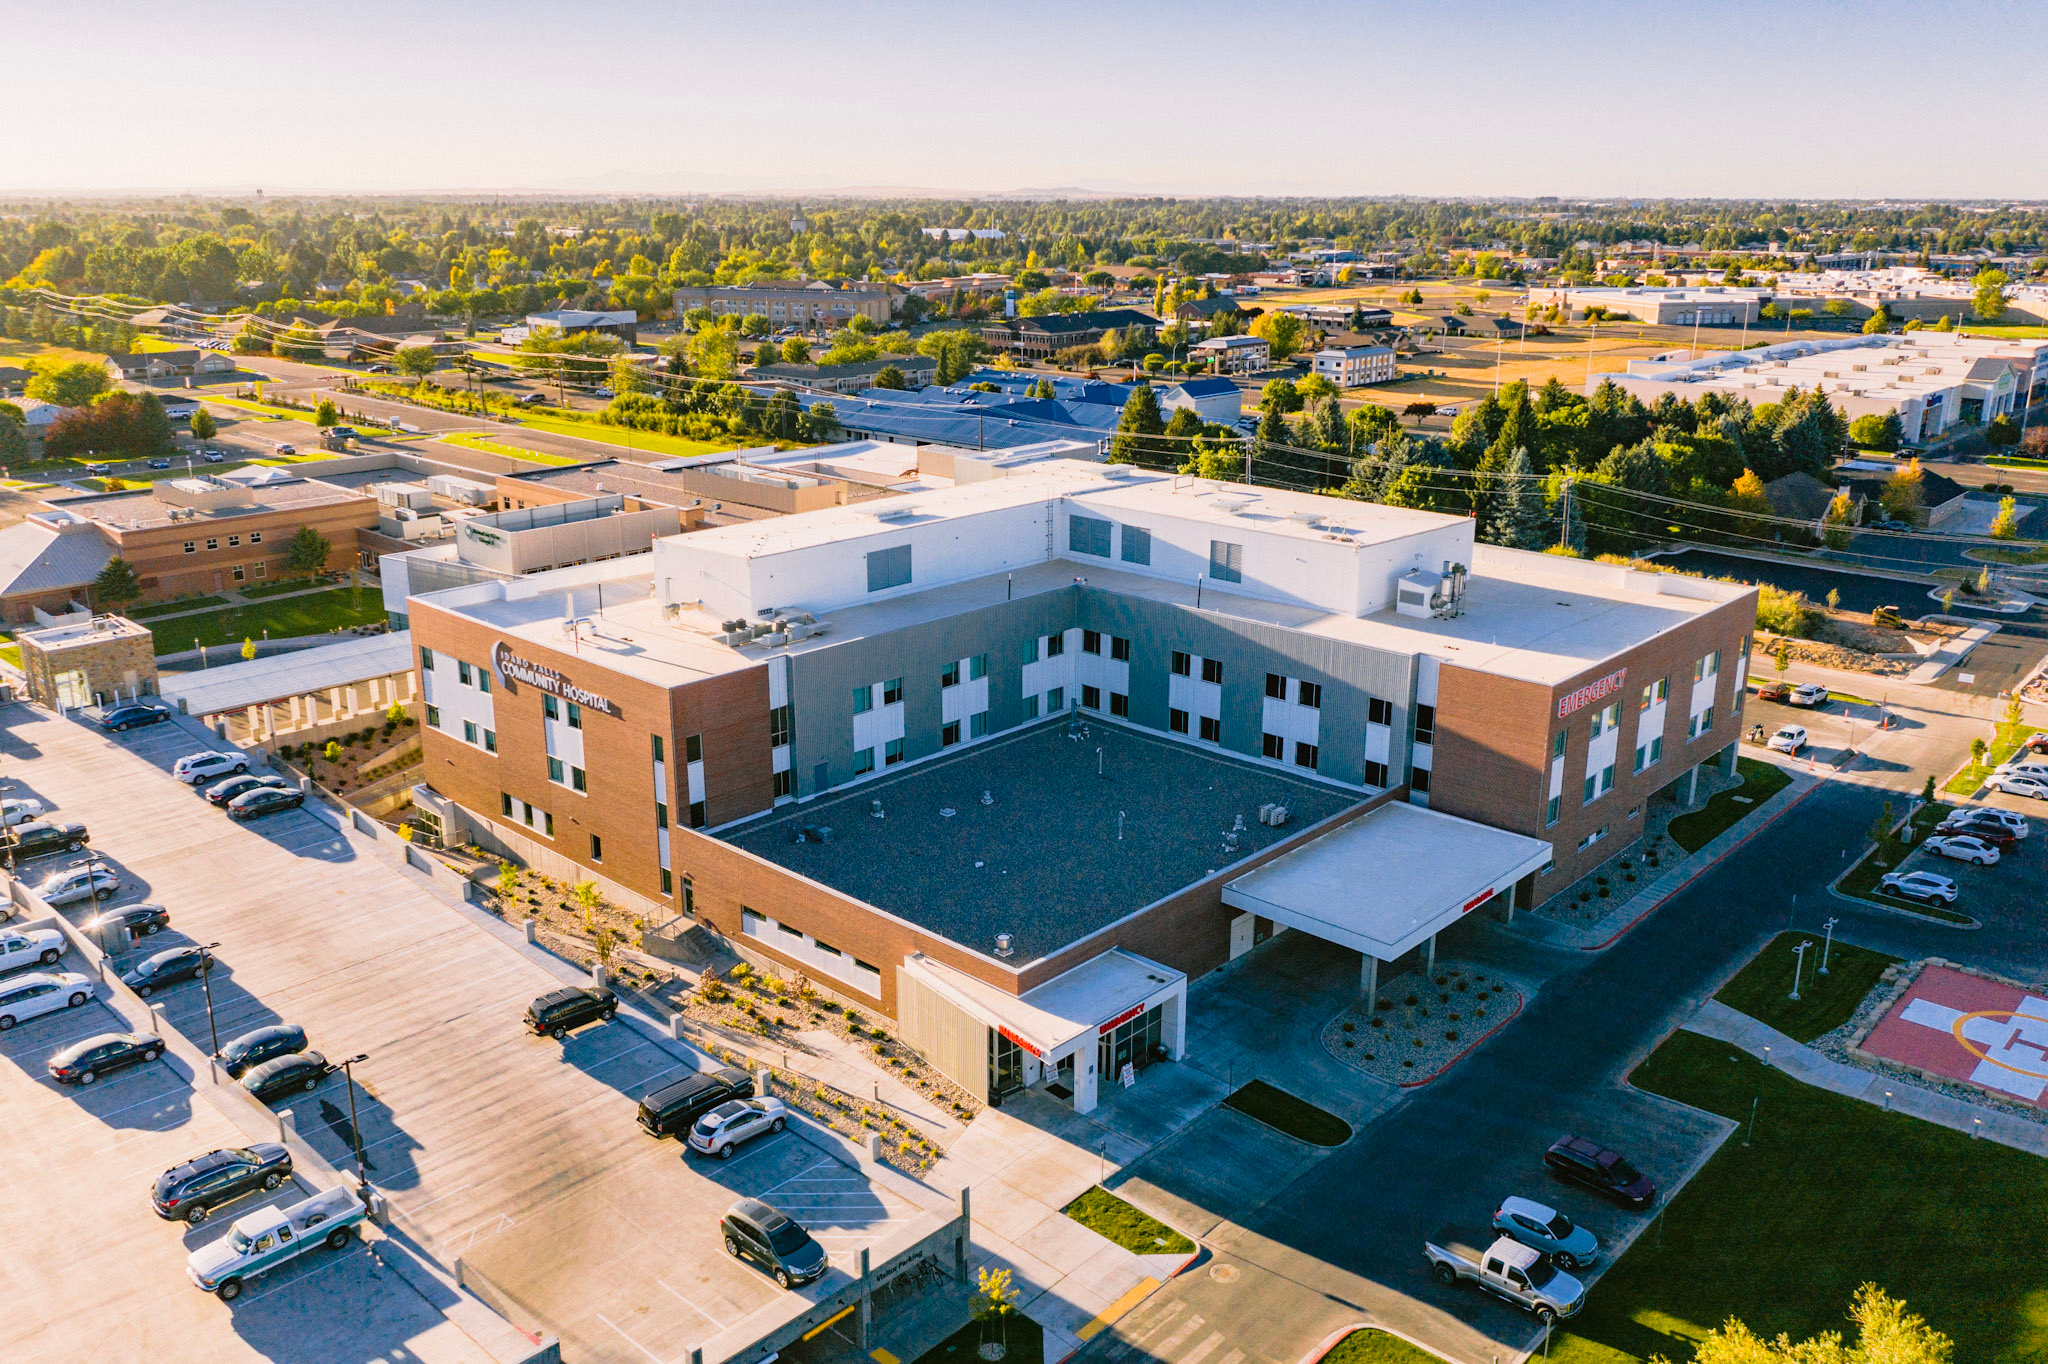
{"x":252,"y":1049}
{"x":753,"y":1230}
{"x":555,"y":1013}
{"x":1593,"y":1165}
{"x":671,"y":1109}
{"x":197,"y":1187}
{"x":41,"y":837}
{"x":132,"y":715}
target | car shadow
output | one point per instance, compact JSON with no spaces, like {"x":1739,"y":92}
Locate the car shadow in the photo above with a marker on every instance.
{"x":149,"y":1096}
{"x":303,"y":834}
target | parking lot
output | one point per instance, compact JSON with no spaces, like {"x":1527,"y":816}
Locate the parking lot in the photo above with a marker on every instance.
{"x":2007,"y":896}
{"x":518,"y":1154}
{"x":92,"y":1273}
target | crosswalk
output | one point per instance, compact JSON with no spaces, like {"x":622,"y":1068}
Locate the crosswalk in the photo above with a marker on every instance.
{"x":1171,"y":1333}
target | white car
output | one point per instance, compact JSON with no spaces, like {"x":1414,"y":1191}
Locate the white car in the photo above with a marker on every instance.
{"x":40,"y":945}
{"x":195,"y":769}
{"x":19,"y":810}
{"x":86,"y":881}
{"x":736,"y":1121}
{"x":1809,"y":694}
{"x":2019,"y":784}
{"x":1923,"y":886}
{"x":1963,"y":848}
{"x":1789,"y":739}
{"x":32,"y":996}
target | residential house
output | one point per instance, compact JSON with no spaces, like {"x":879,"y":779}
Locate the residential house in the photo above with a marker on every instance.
{"x":1354,"y":366}
{"x":148,"y":367}
{"x":1213,"y":399}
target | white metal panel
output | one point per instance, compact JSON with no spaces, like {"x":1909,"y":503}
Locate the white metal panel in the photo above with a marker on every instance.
{"x":1426,"y":669}
{"x":1379,"y":743}
{"x":694,"y":774}
{"x":778,"y":758}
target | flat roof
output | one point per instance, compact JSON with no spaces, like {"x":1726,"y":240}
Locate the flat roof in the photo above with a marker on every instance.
{"x":1069,"y":1007}
{"x":215,"y":691}
{"x":145,"y":511}
{"x":1059,"y":851}
{"x":1386,"y":881}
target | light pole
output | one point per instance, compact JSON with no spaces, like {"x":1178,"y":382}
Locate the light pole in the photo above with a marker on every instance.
{"x":1827,"y":945}
{"x":1798,"y":963}
{"x":206,"y":984}
{"x":355,"y":1128}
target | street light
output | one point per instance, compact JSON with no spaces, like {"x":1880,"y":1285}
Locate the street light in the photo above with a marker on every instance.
{"x":354,"y":1127}
{"x":206,"y":984}
{"x":1798,"y":962}
{"x":1828,"y":944}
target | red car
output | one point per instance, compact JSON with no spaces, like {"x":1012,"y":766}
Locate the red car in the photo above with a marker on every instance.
{"x":1774,"y":691}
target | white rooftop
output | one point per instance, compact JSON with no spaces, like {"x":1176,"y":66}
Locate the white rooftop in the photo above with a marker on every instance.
{"x":300,"y":672}
{"x":1389,"y":879}
{"x":1068,"y":1007}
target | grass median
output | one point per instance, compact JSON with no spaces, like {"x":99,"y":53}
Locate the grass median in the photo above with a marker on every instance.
{"x":1104,"y":1213}
{"x":1377,"y":1347}
{"x":1782,"y":1225}
{"x":1825,"y":1002}
{"x":1760,"y":781}
{"x":315,"y":613}
{"x":1889,"y":855}
{"x":2005,"y":741}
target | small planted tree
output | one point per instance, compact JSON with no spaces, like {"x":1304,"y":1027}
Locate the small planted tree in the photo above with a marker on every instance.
{"x":508,"y":880}
{"x":203,"y":427}
{"x":116,"y":585}
{"x":994,"y":1304}
{"x":326,"y":414}
{"x":1781,"y":657}
{"x":307,"y":552}
{"x":248,"y":647}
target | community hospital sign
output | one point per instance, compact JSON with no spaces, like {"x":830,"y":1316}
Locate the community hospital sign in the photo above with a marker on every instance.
{"x":1580,"y":699}
{"x":513,"y":669}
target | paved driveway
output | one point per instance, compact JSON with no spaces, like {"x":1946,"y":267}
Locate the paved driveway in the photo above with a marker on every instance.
{"x":517,"y":1153}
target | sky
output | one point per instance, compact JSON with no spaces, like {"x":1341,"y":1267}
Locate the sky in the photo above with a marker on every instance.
{"x":1713,"y":98}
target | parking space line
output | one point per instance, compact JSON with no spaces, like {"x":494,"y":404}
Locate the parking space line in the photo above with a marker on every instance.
{"x":413,"y":1208}
{"x":820,"y":1164}
{"x":629,"y":1340}
{"x":685,"y":1301}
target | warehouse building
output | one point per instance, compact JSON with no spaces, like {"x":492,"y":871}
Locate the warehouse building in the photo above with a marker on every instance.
{"x":1013,"y":760}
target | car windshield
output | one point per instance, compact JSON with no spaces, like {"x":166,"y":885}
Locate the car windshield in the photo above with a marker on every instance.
{"x":1540,"y":1273}
{"x":1623,"y":1172}
{"x":725,"y":1112}
{"x":1560,"y":1226}
{"x":788,"y":1239}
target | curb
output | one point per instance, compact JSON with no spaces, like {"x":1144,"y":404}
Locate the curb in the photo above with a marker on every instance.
{"x":1702,"y":869}
{"x":1343,"y":1333}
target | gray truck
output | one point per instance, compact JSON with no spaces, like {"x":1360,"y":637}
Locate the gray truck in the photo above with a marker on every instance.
{"x":1507,"y":1269}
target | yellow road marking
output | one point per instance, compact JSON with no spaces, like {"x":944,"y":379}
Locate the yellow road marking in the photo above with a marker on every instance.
{"x":1115,"y":1310}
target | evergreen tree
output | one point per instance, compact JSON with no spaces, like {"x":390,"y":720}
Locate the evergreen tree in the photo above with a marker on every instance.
{"x":1520,"y":519}
{"x":1332,"y":433}
{"x":1140,"y":420}
{"x":116,"y":584}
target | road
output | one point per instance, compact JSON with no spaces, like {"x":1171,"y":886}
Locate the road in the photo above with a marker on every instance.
{"x":1343,"y":1242}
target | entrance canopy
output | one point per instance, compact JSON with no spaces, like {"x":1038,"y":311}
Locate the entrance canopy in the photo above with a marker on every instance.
{"x":1071,"y":1008}
{"x":1389,"y":880}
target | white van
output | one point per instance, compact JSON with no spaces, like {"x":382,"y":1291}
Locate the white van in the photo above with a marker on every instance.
{"x":32,"y":996}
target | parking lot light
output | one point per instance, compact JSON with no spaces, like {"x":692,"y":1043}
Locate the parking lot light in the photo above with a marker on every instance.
{"x":355,"y":1128}
{"x":1798,"y":961}
{"x":1828,"y":944}
{"x":206,"y":984}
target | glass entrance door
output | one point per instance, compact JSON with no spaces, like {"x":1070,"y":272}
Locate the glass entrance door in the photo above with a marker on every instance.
{"x":1005,"y":1065}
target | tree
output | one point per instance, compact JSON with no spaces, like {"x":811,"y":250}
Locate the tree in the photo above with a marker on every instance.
{"x":1280,"y":395}
{"x":298,"y":342}
{"x":1140,"y":419}
{"x":1520,"y":520}
{"x":116,"y":584}
{"x":1835,"y":524}
{"x":71,"y":383}
{"x":13,"y":438}
{"x":820,"y":424}
{"x":796,"y":351}
{"x":1988,"y":299}
{"x":1879,"y":321}
{"x":888,"y":376}
{"x":1781,"y":657}
{"x":1886,"y":1333}
{"x":714,"y":354}
{"x":307,"y":553}
{"x":1283,"y":333}
{"x":326,"y":414}
{"x":415,"y":362}
{"x":2006,"y":525}
{"x":133,"y":424}
{"x":767,"y":353}
{"x":1903,"y":497}
{"x":248,"y":647}
{"x":1874,"y":432}
{"x":2001,"y":432}
{"x":203,"y":426}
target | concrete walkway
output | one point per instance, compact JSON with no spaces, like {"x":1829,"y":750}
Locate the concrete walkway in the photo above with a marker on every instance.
{"x":1950,"y":654}
{"x":1804,"y":1064}
{"x":1632,"y":911}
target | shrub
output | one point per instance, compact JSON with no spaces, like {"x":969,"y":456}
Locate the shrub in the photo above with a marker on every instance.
{"x":1786,"y":613}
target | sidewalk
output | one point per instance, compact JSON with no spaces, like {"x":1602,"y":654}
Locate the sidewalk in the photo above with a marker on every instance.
{"x":1808,"y":1066}
{"x":1950,"y":654}
{"x":1635,"y":909}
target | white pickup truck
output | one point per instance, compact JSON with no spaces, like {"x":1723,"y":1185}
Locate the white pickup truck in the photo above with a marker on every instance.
{"x":1507,"y":1269}
{"x":266,"y":1238}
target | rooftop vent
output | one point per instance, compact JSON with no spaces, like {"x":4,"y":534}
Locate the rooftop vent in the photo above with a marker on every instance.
{"x":895,"y":513}
{"x":1235,"y":505}
{"x":1306,"y":518}
{"x":1003,"y":945}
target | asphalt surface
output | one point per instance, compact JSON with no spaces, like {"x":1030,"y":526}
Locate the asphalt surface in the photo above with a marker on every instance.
{"x":1343,"y":1242}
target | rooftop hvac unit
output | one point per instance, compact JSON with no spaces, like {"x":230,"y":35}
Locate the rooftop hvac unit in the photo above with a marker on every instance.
{"x":895,"y":513}
{"x":1306,"y":518}
{"x":1233,"y":505}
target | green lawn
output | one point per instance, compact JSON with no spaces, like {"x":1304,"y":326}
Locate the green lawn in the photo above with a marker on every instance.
{"x":1760,"y":781}
{"x":169,"y":607}
{"x":1377,"y":1347}
{"x":317,"y":613}
{"x":2015,"y":462}
{"x":652,"y":442}
{"x":1284,"y":1113}
{"x":1825,"y":1002}
{"x":470,"y":441}
{"x":2037,"y":554}
{"x":1102,"y":1211}
{"x":10,"y":650}
{"x":2004,"y":743}
{"x":1022,"y":1339}
{"x":1833,"y":1193}
{"x":261,"y":590}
